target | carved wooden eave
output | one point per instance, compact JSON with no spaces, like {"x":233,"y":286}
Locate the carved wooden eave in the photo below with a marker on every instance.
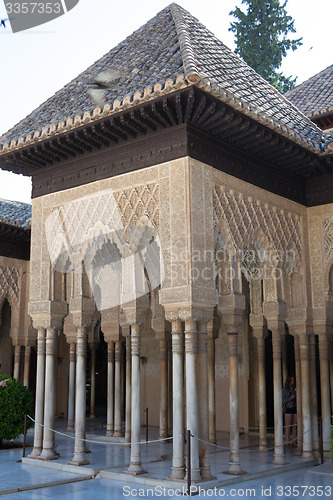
{"x":187,"y":121}
{"x":14,"y":241}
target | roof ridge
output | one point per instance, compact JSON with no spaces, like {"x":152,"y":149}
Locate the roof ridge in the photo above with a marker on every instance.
{"x":186,"y":49}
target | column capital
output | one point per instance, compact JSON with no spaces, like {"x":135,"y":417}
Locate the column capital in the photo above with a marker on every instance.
{"x":185,"y":312}
{"x":47,"y":313}
{"x":82,"y":310}
{"x":231,"y":308}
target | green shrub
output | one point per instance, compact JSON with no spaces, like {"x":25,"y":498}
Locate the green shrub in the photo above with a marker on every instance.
{"x":15,"y":401}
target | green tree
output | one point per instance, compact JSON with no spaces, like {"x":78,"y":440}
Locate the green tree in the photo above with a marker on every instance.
{"x":262,"y":39}
{"x":15,"y":401}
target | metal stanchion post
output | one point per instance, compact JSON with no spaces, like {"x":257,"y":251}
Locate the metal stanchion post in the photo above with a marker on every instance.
{"x":188,"y":447}
{"x":321,"y":444}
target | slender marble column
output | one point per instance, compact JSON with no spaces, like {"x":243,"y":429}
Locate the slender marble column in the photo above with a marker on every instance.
{"x":49,"y":452}
{"x":262,"y":394}
{"x":71,"y":388}
{"x":306,"y":407}
{"x":234,"y":458}
{"x":110,"y":391}
{"x":192,"y":404}
{"x":17,"y":361}
{"x":128,"y":390}
{"x":27,"y":355}
{"x":298,"y":395}
{"x":313,"y":393}
{"x":79,"y":457}
{"x":325,"y":391}
{"x":211,"y":385}
{"x":203,"y":398}
{"x":170,"y":392}
{"x":92,"y":380}
{"x":178,"y":460}
{"x":163,"y":388}
{"x":284,"y":358}
{"x":331,"y":367}
{"x":117,"y":392}
{"x":135,"y":467}
{"x":279,"y":457}
{"x":39,"y":403}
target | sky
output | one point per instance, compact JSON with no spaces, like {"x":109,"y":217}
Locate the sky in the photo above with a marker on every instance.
{"x":39,"y":61}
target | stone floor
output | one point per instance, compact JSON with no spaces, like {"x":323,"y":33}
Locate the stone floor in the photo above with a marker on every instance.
{"x":108,"y":460}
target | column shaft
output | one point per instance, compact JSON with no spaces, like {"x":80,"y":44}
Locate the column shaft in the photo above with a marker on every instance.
{"x":48,"y":452}
{"x":234,"y":458}
{"x":39,"y":403}
{"x":211,"y":388}
{"x":325,"y":391}
{"x":298,"y":394}
{"x":313,"y":393}
{"x":117,"y":392}
{"x":306,"y":407}
{"x":203,"y":398}
{"x":110,"y":391}
{"x":262,"y":394}
{"x":79,"y":457}
{"x":178,"y":460}
{"x":71,"y":388}
{"x":192,"y":406}
{"x":279,"y":458}
{"x":284,"y":358}
{"x":17,"y":362}
{"x":170,"y":391}
{"x":27,"y":355}
{"x":92,"y":380}
{"x":128,"y":390}
{"x":163,"y":388}
{"x":135,"y":467}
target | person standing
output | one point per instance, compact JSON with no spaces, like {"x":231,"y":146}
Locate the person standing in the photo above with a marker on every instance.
{"x":289,"y":399}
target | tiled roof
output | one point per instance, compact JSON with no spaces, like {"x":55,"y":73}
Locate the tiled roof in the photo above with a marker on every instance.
{"x":175,"y":48}
{"x":314,"y":96}
{"x":15,"y":213}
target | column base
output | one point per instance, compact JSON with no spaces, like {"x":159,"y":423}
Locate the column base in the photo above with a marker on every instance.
{"x":177,"y":474}
{"x":206,"y":474}
{"x":70,"y":425}
{"x":35,"y":453}
{"x":92,"y":417}
{"x":234,"y":470}
{"x":307,"y":454}
{"x":79,"y":459}
{"x":195,"y":476}
{"x":135,"y":470}
{"x":263,"y":449}
{"x":117,"y":434}
{"x":48,"y":455}
{"x":109,"y":433}
{"x":279,"y":460}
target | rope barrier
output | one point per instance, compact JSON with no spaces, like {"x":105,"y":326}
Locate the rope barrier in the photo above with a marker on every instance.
{"x":97,"y":442}
{"x":224,"y":448}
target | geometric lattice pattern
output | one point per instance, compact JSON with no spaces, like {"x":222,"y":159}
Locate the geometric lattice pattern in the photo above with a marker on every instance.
{"x":71,"y":226}
{"x":133,"y":203}
{"x":246,"y":218}
{"x":9,"y":283}
{"x":328,"y":238}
